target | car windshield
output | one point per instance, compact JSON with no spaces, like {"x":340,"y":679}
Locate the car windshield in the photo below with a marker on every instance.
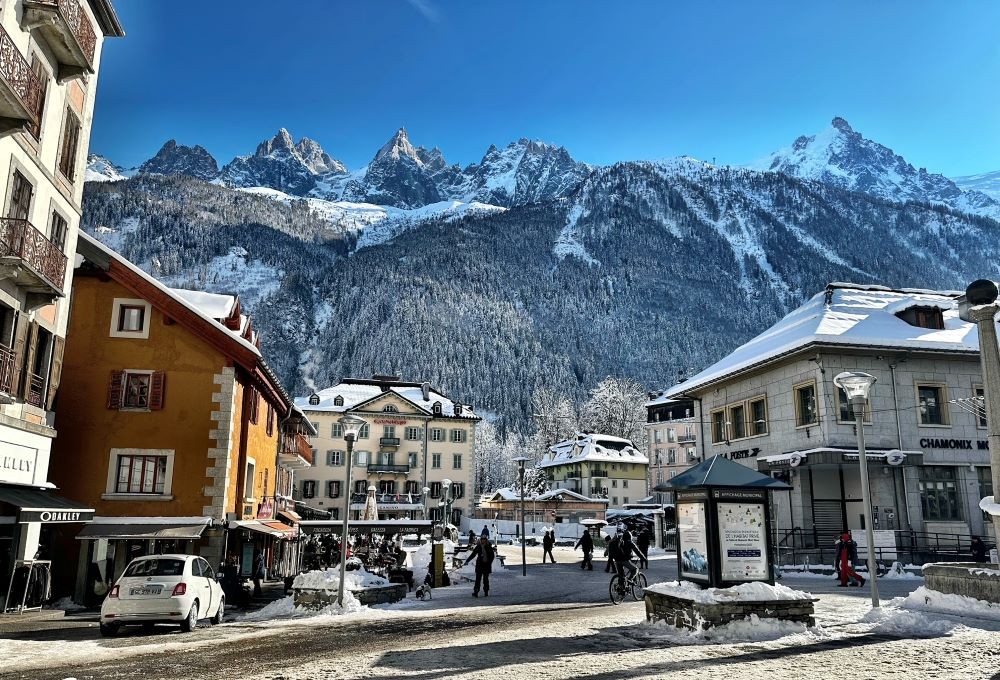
{"x":157,"y":567}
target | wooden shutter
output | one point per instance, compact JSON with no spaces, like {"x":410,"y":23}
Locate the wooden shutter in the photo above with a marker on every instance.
{"x":116,"y":388}
{"x":31,"y":347}
{"x":20,"y":338}
{"x":55,"y":371}
{"x":157,"y":388}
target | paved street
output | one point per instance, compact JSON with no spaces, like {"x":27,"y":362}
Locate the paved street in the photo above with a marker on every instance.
{"x":558,"y":625}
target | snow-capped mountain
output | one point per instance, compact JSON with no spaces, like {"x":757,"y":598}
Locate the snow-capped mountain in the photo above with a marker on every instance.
{"x":178,"y":159}
{"x":843,"y":157}
{"x":100,"y":169}
{"x":279,"y":163}
{"x":400,"y":175}
{"x":987,"y":183}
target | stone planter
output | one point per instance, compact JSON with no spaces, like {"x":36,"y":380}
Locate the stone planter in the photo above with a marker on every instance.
{"x":979,"y":581}
{"x":682,"y":612}
{"x":315,"y":598}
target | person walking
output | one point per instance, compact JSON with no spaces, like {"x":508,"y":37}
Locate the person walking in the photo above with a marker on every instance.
{"x":548,"y":541}
{"x":978,"y":550}
{"x":847,"y":557}
{"x":622,"y":555}
{"x":258,"y":572}
{"x":587,"y":543}
{"x":642,"y":542}
{"x":611,"y":549}
{"x":483,"y":554}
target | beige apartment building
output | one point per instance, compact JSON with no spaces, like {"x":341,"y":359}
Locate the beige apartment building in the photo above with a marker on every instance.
{"x":598,"y":466}
{"x":415,"y":439}
{"x":50,"y":54}
{"x":671,"y":439}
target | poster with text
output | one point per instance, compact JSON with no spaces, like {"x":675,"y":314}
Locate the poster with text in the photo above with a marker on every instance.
{"x":692,"y":537}
{"x":742,"y":541}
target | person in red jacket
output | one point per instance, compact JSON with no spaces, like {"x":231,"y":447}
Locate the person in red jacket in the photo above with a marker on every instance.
{"x":847,"y":557}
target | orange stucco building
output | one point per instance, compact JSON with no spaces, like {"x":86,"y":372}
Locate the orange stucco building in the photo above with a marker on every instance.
{"x":170,"y":421}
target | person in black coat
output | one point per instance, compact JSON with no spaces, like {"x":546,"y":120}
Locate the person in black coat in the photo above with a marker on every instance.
{"x":847,"y":557}
{"x":979,"y":550}
{"x":642,"y":542}
{"x":587,"y":543}
{"x":548,"y":541}
{"x":483,"y":554}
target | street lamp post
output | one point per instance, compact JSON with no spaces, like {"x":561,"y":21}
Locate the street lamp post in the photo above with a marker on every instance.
{"x":426,"y":498}
{"x":979,"y":305}
{"x":857,"y":385}
{"x":521,"y":460}
{"x":446,"y":502}
{"x":352,"y":427}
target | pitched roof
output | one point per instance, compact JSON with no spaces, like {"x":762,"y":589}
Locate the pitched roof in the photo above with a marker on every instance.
{"x":508,"y":494}
{"x":849,"y":315}
{"x":356,"y":393}
{"x":594,"y":448}
{"x":193,"y":309}
{"x":720,"y":471}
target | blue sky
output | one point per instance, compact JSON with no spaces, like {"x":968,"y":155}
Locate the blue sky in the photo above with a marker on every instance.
{"x":610,"y":81}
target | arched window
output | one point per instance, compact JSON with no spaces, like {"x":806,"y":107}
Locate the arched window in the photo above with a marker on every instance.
{"x":437,"y":408}
{"x":338,"y":400}
{"x":390,"y":408}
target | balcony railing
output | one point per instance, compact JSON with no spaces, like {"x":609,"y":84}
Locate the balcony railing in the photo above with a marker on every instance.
{"x":45,"y":263}
{"x":389,"y":498}
{"x":68,"y":30}
{"x":36,"y":390}
{"x":686,"y":439}
{"x":395,"y":469}
{"x":22,"y":92}
{"x":295,"y":451}
{"x":7,"y":361}
{"x":597,"y":472}
{"x":389,"y":441}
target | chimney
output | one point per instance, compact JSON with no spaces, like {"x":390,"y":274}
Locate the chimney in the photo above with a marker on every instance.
{"x":425,"y":389}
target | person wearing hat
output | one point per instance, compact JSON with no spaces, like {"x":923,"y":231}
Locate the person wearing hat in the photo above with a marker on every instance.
{"x":483,"y":554}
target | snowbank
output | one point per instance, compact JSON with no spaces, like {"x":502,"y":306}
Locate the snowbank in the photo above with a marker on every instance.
{"x":329,"y":579}
{"x":285,"y":609}
{"x":750,"y":629}
{"x":923,"y":598}
{"x":910,"y":624}
{"x":745,"y":592}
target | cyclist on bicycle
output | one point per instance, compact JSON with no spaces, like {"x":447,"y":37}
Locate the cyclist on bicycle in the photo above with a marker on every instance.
{"x":623,"y":555}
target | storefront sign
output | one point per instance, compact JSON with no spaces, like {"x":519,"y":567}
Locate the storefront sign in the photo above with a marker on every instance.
{"x":390,"y":421}
{"x":17,"y":463}
{"x":55,"y":516}
{"x":962,"y":444}
{"x":692,"y":538}
{"x":266,"y":510}
{"x":742,"y":541}
{"x":742,"y":453}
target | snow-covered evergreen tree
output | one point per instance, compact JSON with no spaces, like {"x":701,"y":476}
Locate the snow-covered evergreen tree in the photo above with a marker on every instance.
{"x":617,"y":407}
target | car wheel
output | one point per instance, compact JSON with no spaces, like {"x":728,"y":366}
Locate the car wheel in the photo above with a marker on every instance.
{"x":191,"y":622}
{"x":109,"y":629}
{"x":217,"y":619}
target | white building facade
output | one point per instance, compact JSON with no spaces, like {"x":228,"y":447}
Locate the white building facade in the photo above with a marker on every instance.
{"x":415,"y":438}
{"x":598,"y":466}
{"x":772,"y":405}
{"x":671,"y":439}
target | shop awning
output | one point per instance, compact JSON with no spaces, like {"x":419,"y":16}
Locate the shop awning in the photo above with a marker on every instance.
{"x":832,"y":455}
{"x":286,"y":531}
{"x":154,"y":528}
{"x":39,"y":505}
{"x":384,"y":526}
{"x":290,"y":515}
{"x":271,"y":528}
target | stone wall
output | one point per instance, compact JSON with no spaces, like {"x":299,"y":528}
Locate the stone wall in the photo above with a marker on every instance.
{"x":683,"y":613}
{"x":979,"y":581}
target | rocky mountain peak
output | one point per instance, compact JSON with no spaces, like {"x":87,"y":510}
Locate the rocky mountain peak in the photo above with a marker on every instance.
{"x":397,"y":147}
{"x":179,"y":159}
{"x":839,"y":123}
{"x":282,"y":141}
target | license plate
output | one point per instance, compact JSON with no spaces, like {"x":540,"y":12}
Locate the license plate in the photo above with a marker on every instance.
{"x":146,"y":591}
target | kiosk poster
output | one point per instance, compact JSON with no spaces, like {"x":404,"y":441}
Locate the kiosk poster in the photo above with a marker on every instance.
{"x":742,"y":541}
{"x":693,"y":538}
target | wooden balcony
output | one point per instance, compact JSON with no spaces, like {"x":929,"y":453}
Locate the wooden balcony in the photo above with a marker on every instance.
{"x":66,"y":28}
{"x":31,"y":260}
{"x":20,"y":90}
{"x":295,"y":453}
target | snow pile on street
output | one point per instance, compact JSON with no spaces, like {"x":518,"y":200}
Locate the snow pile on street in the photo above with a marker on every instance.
{"x":898,"y":572}
{"x":285,"y":609}
{"x":751,"y":629}
{"x":420,"y":559}
{"x":68,"y":605}
{"x":909,"y":624}
{"x":745,"y":592}
{"x":329,"y":579}
{"x":925,"y":599}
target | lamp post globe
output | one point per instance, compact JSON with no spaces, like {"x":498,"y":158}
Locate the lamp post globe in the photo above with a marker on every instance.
{"x":351,"y":427}
{"x":981,"y":292}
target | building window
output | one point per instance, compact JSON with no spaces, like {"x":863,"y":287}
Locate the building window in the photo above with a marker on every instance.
{"x":805,"y":404}
{"x":718,"y":426}
{"x":671,"y":456}
{"x":21,"y":191}
{"x":57,"y":230}
{"x":413,"y":434}
{"x":671,"y":436}
{"x":334,"y":458}
{"x":980,"y":409}
{"x":412,"y":487}
{"x":932,"y":403}
{"x":923,"y":317}
{"x":141,"y":474}
{"x":338,"y":400}
{"x":361,"y":486}
{"x":136,"y":390}
{"x":363,"y":434}
{"x":309,"y":488}
{"x":758,"y":416}
{"x":658,"y":436}
{"x":737,"y":422}
{"x":43,"y":80}
{"x":142,"y":390}
{"x":130,"y":318}
{"x":390,"y":408}
{"x":437,"y":408}
{"x":333,"y":489}
{"x":614,"y":483}
{"x":624,"y":483}
{"x":254,"y":405}
{"x":458,"y":436}
{"x":249,"y":481}
{"x":70,"y":142}
{"x":456,"y":461}
{"x":845,"y":412}
{"x":386,"y":486}
{"x":435,"y":489}
{"x":413,"y":460}
{"x":939,"y":493}
{"x":437,"y":434}
{"x":435,"y":460}
{"x":315,"y":460}
{"x":361,"y":458}
{"x":336,"y":431}
{"x":270,"y":420}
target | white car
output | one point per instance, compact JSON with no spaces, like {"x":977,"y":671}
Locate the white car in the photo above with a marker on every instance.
{"x":163,"y":589}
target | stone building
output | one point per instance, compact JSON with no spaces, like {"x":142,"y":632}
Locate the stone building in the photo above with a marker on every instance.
{"x":598,"y":466}
{"x":671,"y":439}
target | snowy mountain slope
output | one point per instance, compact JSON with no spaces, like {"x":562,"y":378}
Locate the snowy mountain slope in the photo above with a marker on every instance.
{"x":400,"y":175}
{"x":986,"y":183}
{"x":100,"y":169}
{"x":280,"y":163}
{"x":178,"y":159}
{"x":841,"y":156}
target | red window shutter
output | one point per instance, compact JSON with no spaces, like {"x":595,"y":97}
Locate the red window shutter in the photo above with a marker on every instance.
{"x":116,"y":387}
{"x":157,"y":387}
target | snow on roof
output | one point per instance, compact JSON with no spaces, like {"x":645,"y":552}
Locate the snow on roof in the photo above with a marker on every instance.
{"x":660,"y":400}
{"x":850,"y":315}
{"x":214,"y":305}
{"x":356,"y":394}
{"x":594,"y":448}
{"x":508,"y":494}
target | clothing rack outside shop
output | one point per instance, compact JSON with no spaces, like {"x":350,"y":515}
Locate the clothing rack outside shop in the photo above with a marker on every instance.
{"x":33,"y":579}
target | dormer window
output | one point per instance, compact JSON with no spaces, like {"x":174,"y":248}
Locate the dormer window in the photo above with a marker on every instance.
{"x":458,"y":409}
{"x":437,"y":408}
{"x":923,"y":317}
{"x":338,"y":400}
{"x":390,"y":408}
{"x":314,"y":399}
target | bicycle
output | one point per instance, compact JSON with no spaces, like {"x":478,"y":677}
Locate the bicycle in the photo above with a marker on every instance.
{"x":619,"y":588}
